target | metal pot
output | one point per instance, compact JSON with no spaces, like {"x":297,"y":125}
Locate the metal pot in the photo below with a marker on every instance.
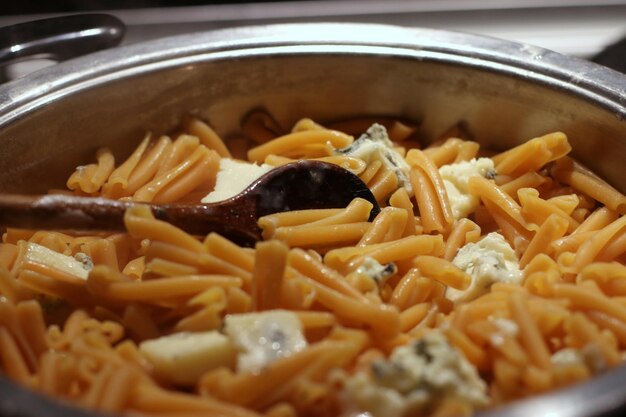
{"x":505,"y":92}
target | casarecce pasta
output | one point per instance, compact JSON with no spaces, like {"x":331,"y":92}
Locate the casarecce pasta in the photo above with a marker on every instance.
{"x":483,"y":280}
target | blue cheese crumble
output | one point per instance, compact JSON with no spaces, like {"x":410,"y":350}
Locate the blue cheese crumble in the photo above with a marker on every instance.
{"x":262,"y":338}
{"x":487,"y":261}
{"x":375,"y":145}
{"x":455,"y":180}
{"x":414,"y":378}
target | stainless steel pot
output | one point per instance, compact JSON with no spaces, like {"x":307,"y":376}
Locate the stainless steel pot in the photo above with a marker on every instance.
{"x":55,"y":119}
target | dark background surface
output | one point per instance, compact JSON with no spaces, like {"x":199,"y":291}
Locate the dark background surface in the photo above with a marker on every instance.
{"x":12,"y":7}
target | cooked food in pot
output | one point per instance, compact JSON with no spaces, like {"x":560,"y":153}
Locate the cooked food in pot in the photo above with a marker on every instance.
{"x":485,"y":278}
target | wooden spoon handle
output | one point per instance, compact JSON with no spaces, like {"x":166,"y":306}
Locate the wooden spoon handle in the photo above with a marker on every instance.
{"x":62,"y":212}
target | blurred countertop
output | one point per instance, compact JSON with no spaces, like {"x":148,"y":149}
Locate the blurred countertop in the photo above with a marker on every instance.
{"x":575,"y":27}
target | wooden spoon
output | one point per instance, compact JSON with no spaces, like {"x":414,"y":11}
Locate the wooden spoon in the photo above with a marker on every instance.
{"x":295,"y":186}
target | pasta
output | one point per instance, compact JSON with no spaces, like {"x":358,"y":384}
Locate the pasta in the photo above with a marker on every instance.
{"x":333,"y":313}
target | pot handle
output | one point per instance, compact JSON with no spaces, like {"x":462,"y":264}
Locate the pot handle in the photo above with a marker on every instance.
{"x":59,"y":38}
{"x":613,"y":56}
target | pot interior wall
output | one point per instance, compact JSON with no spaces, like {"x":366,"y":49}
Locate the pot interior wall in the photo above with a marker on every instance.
{"x":40,"y":150}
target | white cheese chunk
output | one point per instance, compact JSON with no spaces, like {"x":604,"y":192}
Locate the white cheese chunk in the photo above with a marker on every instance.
{"x":233,"y":177}
{"x":182,"y":358}
{"x":487,"y":261}
{"x":375,"y":145}
{"x":78,"y":266}
{"x":567,"y":357}
{"x":376,"y":271}
{"x":261,"y":338}
{"x":455,"y":180}
{"x":415,"y":377}
{"x":506,"y":328}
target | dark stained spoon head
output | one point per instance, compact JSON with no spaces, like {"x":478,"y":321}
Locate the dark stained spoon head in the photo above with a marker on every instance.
{"x":296,"y":186}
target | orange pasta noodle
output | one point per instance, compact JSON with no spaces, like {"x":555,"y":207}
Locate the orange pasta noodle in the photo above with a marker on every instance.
{"x":604,"y":321}
{"x":104,"y":282}
{"x":8,"y":254}
{"x":590,"y":249}
{"x":412,"y":316}
{"x":271,"y":222}
{"x":11,"y":288}
{"x":249,"y":389}
{"x":383,"y":319}
{"x":316,"y":270}
{"x":291,"y":141}
{"x":141,"y":224}
{"x":181,"y":148}
{"x":530,"y":179}
{"x":370,"y":171}
{"x":530,"y":336}
{"x":73,"y":292}
{"x":614,"y":249}
{"x":224,"y":249}
{"x":207,"y":136}
{"x":321,"y":236}
{"x":12,"y":362}
{"x":383,"y":184}
{"x":468,"y":348}
{"x":198,"y":170}
{"x":102,"y":252}
{"x":354,"y":165}
{"x":152,"y":400}
{"x":398,"y":130}
{"x":305,"y":124}
{"x":405,"y":248}
{"x":310,"y":151}
{"x":202,"y":262}
{"x":467,"y":151}
{"x":357,"y":211}
{"x":165,"y":268}
{"x":400,"y":199}
{"x":116,"y":185}
{"x":532,"y":155}
{"x":583,"y":333}
{"x":540,"y":275}
{"x":536,"y":210}
{"x":463,"y":231}
{"x":582,"y":298}
{"x":578,"y":177}
{"x":442,"y":271}
{"x":412,"y":289}
{"x":430,"y":192}
{"x":269,"y":269}
{"x":610,"y":277}
{"x":147,"y":167}
{"x":554,"y":227}
{"x":208,"y":316}
{"x":389,"y":224}
{"x":445,"y":153}
{"x":89,"y":179}
{"x":568,"y":203}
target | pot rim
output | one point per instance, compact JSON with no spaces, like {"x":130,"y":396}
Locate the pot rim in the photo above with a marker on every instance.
{"x":601,"y":86}
{"x":592,"y":82}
